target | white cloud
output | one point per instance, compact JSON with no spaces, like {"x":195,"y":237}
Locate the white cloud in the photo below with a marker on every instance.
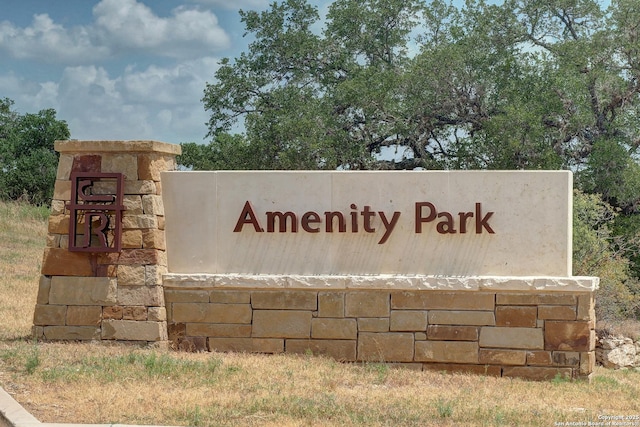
{"x":129,"y":25}
{"x":48,"y":41}
{"x":120,"y":26}
{"x":161,"y":103}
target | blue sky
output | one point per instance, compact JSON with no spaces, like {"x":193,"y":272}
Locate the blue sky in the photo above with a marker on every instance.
{"x":119,"y":69}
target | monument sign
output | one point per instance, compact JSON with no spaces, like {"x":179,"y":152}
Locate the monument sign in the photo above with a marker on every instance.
{"x":457,"y":271}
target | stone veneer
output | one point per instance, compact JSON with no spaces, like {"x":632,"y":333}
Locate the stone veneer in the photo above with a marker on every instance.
{"x":108,"y":296}
{"x":468,"y":325}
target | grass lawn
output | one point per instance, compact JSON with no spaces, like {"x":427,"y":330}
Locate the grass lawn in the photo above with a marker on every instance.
{"x":101,"y":383}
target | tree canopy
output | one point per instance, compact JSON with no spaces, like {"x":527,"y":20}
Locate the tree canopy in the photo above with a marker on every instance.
{"x":28,"y":162}
{"x":401,"y":84}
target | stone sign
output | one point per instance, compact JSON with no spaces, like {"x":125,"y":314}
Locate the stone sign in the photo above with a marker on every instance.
{"x":430,"y":223}
{"x":452,"y":271}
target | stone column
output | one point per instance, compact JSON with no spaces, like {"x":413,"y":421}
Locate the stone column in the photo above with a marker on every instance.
{"x":93,"y":294}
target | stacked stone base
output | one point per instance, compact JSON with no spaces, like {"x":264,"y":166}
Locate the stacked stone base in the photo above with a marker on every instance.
{"x":533,"y":334}
{"x":85,"y":295}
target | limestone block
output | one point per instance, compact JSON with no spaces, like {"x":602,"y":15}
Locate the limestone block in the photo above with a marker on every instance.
{"x":536,"y":373}
{"x":455,"y":317}
{"x":153,"y":274}
{"x":153,"y":239}
{"x":587,"y":363}
{"x":434,"y":300}
{"x":447,"y":351}
{"x":516,"y":316}
{"x":58,"y":224}
{"x":131,"y":330}
{"x":330,"y":304}
{"x":150,"y":165}
{"x":133,"y":204}
{"x":83,"y":291}
{"x":134,"y":313}
{"x":586,"y":307}
{"x":65,"y":162}
{"x":373,"y":324}
{"x":157,"y":314}
{"x":517,"y":338}
{"x":61,"y":262}
{"x":516,"y":299}
{"x":452,"y":333}
{"x":152,"y":204}
{"x":211,"y":313}
{"x":44,"y":285}
{"x":139,"y":221}
{"x":566,"y":358}
{"x":228,"y":330}
{"x":338,"y":329}
{"x":134,"y":256}
{"x":502,"y":357}
{"x":64,"y":241}
{"x":46,"y":315}
{"x":72,"y":333}
{"x":557,"y":299}
{"x":113,"y":312}
{"x":557,"y":312}
{"x":420,"y":336}
{"x":87,"y":163}
{"x":105,"y":187}
{"x":88,"y":315}
{"x":57,"y":207}
{"x":126,"y":164}
{"x":249,"y":345}
{"x":281,"y":324}
{"x":53,"y":240}
{"x":567,"y":336}
{"x":486,"y":370}
{"x":132,"y":239}
{"x":367,"y":304}
{"x":341,"y":350}
{"x":284,"y":300}
{"x":150,"y":296}
{"x":408,"y":320}
{"x":140,"y":187}
{"x":385,"y":347}
{"x":229,"y":296}
{"x":539,"y":358}
{"x":62,"y":190}
{"x":131,"y":275}
{"x":186,"y":295}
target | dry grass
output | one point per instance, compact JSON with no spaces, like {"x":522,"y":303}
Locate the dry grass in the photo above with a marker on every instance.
{"x":98,"y":383}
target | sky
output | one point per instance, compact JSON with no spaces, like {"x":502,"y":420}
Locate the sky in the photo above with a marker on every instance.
{"x":120,"y":69}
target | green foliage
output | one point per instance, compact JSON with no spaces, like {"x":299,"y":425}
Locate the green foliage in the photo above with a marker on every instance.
{"x":596,"y":253}
{"x":27,"y":159}
{"x":525,"y":84}
{"x":615,"y":175}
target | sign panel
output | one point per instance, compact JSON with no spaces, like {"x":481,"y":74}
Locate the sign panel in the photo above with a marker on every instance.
{"x":96,"y":212}
{"x":462,"y":223}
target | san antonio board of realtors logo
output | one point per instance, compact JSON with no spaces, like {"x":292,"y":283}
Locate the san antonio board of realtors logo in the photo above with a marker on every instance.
{"x":96,"y":208}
